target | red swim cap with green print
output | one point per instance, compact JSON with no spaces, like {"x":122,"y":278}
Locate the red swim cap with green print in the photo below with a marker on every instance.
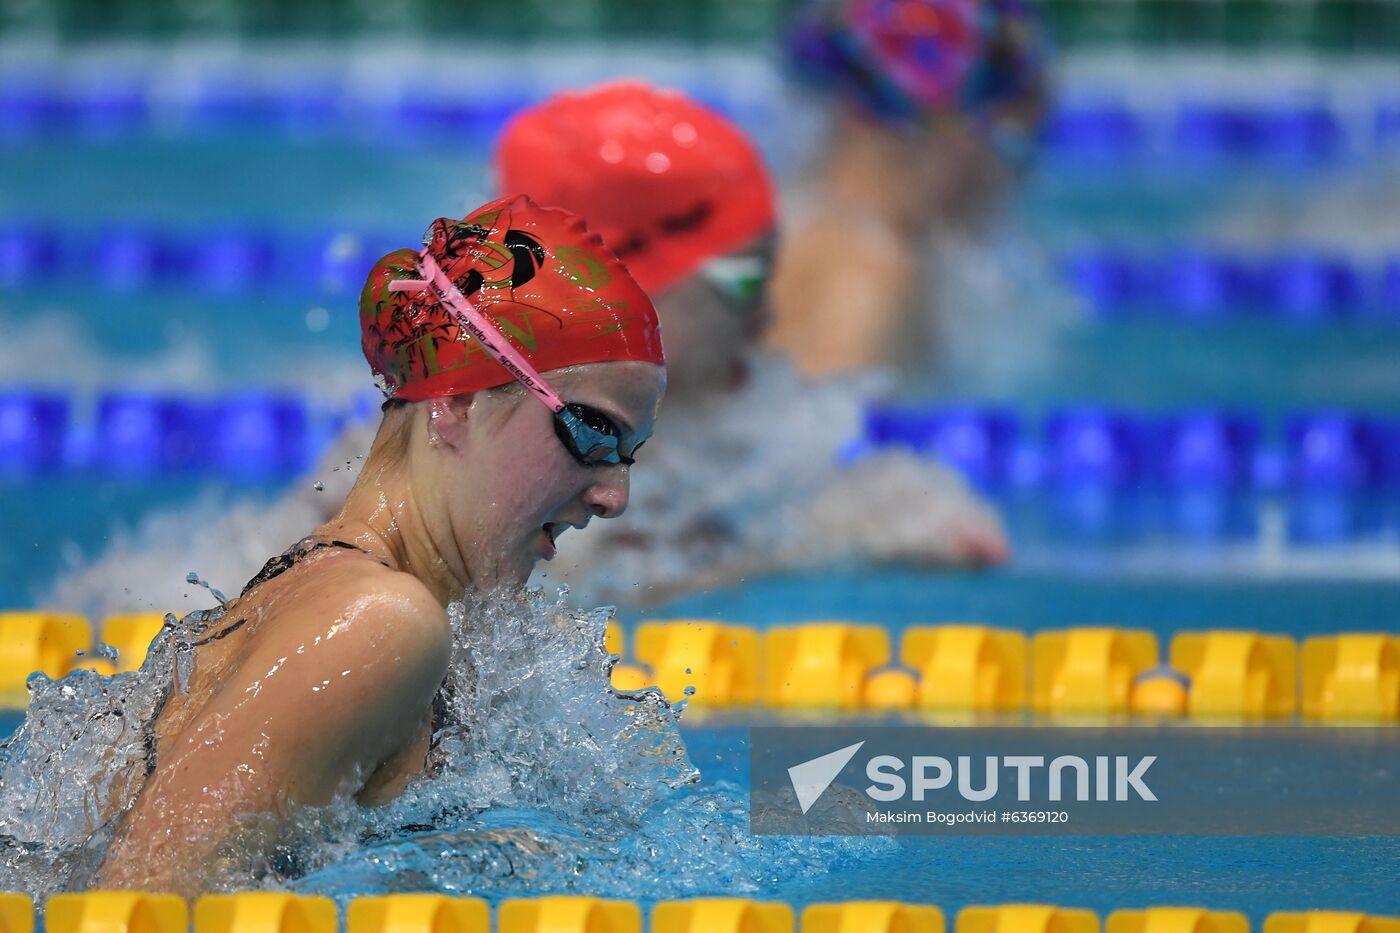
{"x":551,"y":287}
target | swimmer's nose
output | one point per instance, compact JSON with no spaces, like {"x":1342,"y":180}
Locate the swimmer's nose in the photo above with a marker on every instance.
{"x":607,"y":497}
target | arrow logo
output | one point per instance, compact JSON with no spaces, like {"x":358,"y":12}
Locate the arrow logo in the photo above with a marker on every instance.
{"x":811,"y":778}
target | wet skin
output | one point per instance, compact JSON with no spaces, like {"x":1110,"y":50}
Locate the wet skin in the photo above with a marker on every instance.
{"x":846,"y":285}
{"x":326,"y":690}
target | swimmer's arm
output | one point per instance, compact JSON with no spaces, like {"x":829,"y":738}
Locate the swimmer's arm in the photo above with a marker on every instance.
{"x":898,"y":508}
{"x":645,"y":565}
{"x":890,"y":508}
{"x":316,"y":706}
{"x":839,"y":300}
{"x":389,"y":780}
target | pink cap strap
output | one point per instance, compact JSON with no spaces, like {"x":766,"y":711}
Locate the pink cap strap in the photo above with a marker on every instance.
{"x":479,"y":326}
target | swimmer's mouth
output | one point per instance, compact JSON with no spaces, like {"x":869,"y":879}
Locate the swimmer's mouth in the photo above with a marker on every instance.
{"x":555,"y":529}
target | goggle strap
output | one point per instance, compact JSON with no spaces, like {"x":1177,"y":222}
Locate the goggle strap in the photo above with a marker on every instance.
{"x":487,"y":334}
{"x":480,"y":327}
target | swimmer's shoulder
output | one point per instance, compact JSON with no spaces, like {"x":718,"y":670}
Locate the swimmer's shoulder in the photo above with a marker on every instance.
{"x":346,"y":609}
{"x":379,"y":604}
{"x":342,"y":654}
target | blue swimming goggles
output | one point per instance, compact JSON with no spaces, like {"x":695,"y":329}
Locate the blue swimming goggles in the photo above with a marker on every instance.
{"x":590,"y":436}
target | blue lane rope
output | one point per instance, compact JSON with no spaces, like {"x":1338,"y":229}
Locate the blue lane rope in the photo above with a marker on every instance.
{"x":1188,"y":284}
{"x":121,"y":431}
{"x":1095,"y":129}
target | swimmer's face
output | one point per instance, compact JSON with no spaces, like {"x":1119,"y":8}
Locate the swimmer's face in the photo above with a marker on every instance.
{"x":711,"y":319}
{"x":501,"y":487}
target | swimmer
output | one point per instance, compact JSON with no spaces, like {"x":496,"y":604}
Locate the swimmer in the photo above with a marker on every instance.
{"x":743,"y":477}
{"x":748,"y":480}
{"x":524,"y":370}
{"x":934,"y":105}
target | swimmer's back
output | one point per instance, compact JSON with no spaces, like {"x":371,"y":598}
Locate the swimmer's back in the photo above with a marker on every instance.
{"x":317,"y":682}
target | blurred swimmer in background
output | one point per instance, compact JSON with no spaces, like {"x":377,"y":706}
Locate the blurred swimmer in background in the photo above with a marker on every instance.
{"x":524,"y":369}
{"x":933,"y":106}
{"x":747,"y":478}
{"x":744,"y":479}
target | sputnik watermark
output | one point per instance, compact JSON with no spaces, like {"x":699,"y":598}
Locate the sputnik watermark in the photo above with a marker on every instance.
{"x":1088,"y":780}
{"x":889,"y":784}
{"x":1108,"y":779}
{"x":811,"y":778}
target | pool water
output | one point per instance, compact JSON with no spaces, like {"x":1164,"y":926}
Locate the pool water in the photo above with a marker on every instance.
{"x":686,"y":848}
{"x":272,"y":336}
{"x":1257,"y":875}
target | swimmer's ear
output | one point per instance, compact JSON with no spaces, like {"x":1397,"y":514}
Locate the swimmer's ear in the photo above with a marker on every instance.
{"x":448,"y":419}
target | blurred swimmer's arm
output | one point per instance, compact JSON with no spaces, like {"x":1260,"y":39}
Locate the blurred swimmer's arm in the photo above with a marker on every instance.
{"x":839,"y":297}
{"x":644,"y":563}
{"x":328,"y":692}
{"x":897,"y":508}
{"x":892,"y":509}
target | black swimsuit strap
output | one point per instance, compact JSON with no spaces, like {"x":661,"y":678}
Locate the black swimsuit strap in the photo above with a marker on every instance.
{"x":288,"y":558}
{"x":274,"y":567}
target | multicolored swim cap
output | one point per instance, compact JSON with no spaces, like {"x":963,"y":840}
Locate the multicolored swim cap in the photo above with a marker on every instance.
{"x":667,"y":182}
{"x":900,"y":60}
{"x":905,"y":60}
{"x":551,"y":286}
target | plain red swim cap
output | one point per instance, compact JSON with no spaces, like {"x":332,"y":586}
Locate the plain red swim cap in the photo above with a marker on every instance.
{"x":668,"y":183}
{"x":549,"y":284}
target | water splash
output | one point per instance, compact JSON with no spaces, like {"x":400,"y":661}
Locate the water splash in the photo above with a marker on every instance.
{"x":194,"y":578}
{"x":545,"y":779}
{"x":540,"y":778}
{"x":65,"y":775}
